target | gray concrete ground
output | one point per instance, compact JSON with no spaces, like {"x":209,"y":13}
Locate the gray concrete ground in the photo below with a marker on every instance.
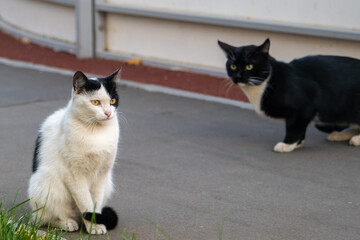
{"x":188,"y":164}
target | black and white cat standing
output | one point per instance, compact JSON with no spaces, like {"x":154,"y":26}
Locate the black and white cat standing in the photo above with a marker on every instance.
{"x":323,"y":89}
{"x":74,"y":156}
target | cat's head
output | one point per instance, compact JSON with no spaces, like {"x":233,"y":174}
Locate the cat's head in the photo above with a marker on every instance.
{"x":247,"y":65}
{"x":95,"y":100}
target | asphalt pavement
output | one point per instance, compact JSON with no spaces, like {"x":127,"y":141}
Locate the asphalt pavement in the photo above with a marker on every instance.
{"x":190,"y":165}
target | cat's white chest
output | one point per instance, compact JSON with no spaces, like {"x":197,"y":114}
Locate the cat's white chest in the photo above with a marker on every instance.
{"x":92,"y":137}
{"x":102,"y":139}
{"x":254,"y":94}
{"x":88,"y":150}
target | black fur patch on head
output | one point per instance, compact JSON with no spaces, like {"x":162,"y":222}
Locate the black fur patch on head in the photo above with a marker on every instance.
{"x":108,"y":217}
{"x":92,"y":85}
{"x":109,"y":84}
{"x":82,"y":84}
{"x":36,"y":160}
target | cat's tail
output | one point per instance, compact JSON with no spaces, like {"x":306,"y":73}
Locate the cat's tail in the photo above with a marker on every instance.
{"x":108,"y":217}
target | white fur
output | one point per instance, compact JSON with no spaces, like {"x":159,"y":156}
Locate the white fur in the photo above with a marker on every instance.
{"x":344,"y":135}
{"x":77,"y":154}
{"x":355,"y":140}
{"x":254,"y":94}
{"x":283,"y":147}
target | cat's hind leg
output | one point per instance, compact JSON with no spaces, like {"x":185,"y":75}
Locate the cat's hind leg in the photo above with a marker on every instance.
{"x":64,"y":216}
{"x":344,"y":135}
{"x":52,"y":203}
{"x":67,"y":215}
{"x":355,"y":140}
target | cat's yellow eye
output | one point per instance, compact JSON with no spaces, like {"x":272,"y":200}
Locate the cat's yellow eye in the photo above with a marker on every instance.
{"x":233,"y":67}
{"x":112,"y":101}
{"x":249,"y":67}
{"x":95,"y":102}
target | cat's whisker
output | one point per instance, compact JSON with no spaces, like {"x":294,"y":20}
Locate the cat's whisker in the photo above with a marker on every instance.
{"x":257,"y":78}
{"x":254,"y":82}
{"x":228,"y":83}
{"x":228,"y":88}
{"x":225,"y":83}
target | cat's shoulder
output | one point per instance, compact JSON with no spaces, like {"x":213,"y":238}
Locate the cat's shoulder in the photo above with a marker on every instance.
{"x":54,"y":119}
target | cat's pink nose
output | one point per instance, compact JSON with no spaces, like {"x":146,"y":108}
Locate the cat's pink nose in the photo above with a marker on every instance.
{"x":108,"y":114}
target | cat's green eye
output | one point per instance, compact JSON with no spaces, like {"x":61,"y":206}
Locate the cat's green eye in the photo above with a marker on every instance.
{"x":112,"y":101}
{"x":95,"y":102}
{"x":233,"y":67}
{"x":249,"y":67}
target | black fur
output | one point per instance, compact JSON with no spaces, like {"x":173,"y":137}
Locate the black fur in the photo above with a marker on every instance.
{"x":82,"y":84}
{"x":325,"y":88}
{"x":35,"y":164}
{"x":109,"y":83}
{"x":329,"y":128}
{"x":108,"y":217}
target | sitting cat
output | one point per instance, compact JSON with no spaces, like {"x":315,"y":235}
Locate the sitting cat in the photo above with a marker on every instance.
{"x":73,"y":159}
{"x":325,"y":89}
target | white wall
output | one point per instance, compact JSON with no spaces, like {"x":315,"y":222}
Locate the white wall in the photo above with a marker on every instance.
{"x":196,"y":44}
{"x":328,"y":13}
{"x":50,"y":20}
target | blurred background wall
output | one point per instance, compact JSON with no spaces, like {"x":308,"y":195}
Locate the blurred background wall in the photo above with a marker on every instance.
{"x":184,"y":33}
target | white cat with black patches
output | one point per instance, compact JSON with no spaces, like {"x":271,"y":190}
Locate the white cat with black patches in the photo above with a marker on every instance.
{"x":74,"y":156}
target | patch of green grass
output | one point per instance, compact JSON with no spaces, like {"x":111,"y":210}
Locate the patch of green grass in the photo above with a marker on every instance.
{"x":124,"y":236}
{"x":16,"y":225}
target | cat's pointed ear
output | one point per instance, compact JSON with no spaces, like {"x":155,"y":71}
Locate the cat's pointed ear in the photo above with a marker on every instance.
{"x":265,"y":47}
{"x":115,"y":75}
{"x":79,"y":81}
{"x":228,"y":50}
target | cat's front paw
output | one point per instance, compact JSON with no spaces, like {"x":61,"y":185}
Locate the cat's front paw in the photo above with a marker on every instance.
{"x":98,"y":229}
{"x":69,"y":225}
{"x":283,"y":147}
{"x":95,"y":229}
